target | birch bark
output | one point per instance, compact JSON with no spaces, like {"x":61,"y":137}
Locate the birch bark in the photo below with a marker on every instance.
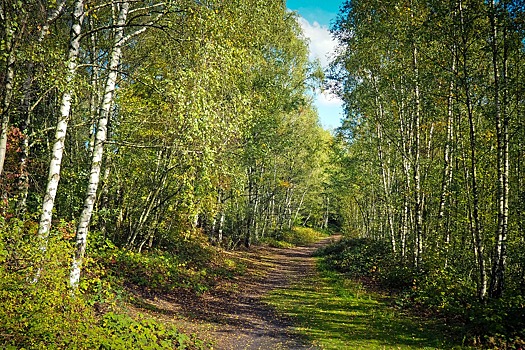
{"x":476,"y":222}
{"x":27,"y":111}
{"x":98,"y":150}
{"x":61,"y":127}
{"x":497,"y":282}
{"x":418,"y":209}
{"x":8,"y":86}
{"x":385,"y":173}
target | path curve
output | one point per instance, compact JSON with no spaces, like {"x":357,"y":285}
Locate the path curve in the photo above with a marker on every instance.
{"x":234,"y":316}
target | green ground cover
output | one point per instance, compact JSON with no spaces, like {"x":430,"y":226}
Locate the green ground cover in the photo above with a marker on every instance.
{"x":337,"y":313}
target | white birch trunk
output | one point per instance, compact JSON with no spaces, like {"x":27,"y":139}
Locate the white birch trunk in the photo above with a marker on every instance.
{"x":384,"y":171}
{"x":497,"y":282}
{"x":447,"y":168}
{"x":51,"y":16}
{"x":5,"y":109}
{"x":27,"y":109}
{"x":476,"y":220}
{"x":61,"y":127}
{"x":100,"y":139}
{"x":8,"y":91}
{"x":406,"y":145}
{"x":418,"y":210}
{"x":299,"y":206}
{"x":221,"y":227}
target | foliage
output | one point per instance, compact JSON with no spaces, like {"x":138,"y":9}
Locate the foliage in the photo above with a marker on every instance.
{"x":123,"y":332}
{"x":275,"y":243}
{"x":356,"y":256}
{"x":436,"y":293}
{"x":297,"y":236}
{"x":38,"y":309}
{"x":302,"y":235}
{"x":184,"y":263}
{"x":36,"y":314}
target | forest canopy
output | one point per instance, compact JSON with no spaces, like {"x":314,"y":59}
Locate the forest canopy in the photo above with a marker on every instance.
{"x":432,"y":149}
{"x":144,"y":124}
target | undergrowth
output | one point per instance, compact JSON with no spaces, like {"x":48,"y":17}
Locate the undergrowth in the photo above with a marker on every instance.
{"x":188,"y":265}
{"x":297,"y":236}
{"x":39,"y":311}
{"x":335,"y":312}
{"x":441,"y":293}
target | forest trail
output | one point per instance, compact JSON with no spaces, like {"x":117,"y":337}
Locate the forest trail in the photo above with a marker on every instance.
{"x":233,"y":315}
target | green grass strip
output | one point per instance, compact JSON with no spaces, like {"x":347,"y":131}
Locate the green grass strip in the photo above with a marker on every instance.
{"x":337,"y":313}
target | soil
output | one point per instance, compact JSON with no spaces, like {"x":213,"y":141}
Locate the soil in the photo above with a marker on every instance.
{"x":233,"y":315}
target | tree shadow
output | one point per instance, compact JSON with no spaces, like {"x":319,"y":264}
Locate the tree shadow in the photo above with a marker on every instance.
{"x":240,"y":313}
{"x":353,"y":319}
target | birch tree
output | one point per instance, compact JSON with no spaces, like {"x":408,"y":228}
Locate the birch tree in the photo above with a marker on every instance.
{"x":119,"y":40}
{"x":10,"y":28}
{"x":62,"y":121}
{"x":98,"y":150}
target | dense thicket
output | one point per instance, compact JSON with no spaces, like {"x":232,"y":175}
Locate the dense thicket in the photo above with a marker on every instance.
{"x":151,"y":122}
{"x":432,"y":147}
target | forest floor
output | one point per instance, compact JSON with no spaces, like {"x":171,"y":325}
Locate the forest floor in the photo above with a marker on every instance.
{"x":234,"y":314}
{"x":282,"y":301}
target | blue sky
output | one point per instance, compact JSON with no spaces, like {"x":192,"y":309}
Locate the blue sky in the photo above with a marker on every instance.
{"x":314,"y":10}
{"x":316,"y":16}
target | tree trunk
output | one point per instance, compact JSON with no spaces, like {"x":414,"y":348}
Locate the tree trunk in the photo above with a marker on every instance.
{"x":8,"y":87}
{"x":296,"y":216}
{"x":385,"y":172}
{"x":476,"y":227}
{"x":98,"y":150}
{"x":418,"y":202}
{"x":61,"y":127}
{"x":497,"y":282}
{"x":446,"y":177}
{"x":27,"y":110}
{"x":327,"y":213}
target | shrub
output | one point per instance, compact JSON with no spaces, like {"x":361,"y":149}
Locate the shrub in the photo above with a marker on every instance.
{"x":123,"y":332}
{"x":398,"y":277}
{"x":451,"y":292}
{"x":297,"y":236}
{"x":274,"y":243}
{"x":188,"y":264}
{"x":37,"y":309}
{"x":356,"y":256}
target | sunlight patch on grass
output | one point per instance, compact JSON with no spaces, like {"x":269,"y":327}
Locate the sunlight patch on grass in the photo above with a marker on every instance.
{"x":336,"y":313}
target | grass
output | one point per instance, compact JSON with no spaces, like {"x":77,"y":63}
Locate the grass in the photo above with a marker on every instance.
{"x":297,"y":236}
{"x":337,"y":313}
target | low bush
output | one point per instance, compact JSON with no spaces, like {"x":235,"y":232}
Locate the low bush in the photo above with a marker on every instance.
{"x":36,"y":306}
{"x":448,"y":292}
{"x":159,"y":271}
{"x":356,"y":256}
{"x":275,"y":243}
{"x":188,"y":264}
{"x":39,"y":311}
{"x":297,"y":236}
{"x":123,"y":332}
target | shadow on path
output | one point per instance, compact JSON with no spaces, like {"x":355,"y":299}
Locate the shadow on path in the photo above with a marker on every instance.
{"x":235,"y":317}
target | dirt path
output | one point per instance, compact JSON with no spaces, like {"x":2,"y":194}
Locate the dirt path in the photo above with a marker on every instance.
{"x":234,"y":316}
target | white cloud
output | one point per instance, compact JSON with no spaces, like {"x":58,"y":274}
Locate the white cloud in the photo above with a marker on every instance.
{"x":321,"y":44}
{"x":326,"y":98}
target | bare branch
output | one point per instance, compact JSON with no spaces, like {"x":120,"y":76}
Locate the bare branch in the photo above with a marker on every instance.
{"x":147,"y":7}
{"x":40,"y":98}
{"x":135,"y":145}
